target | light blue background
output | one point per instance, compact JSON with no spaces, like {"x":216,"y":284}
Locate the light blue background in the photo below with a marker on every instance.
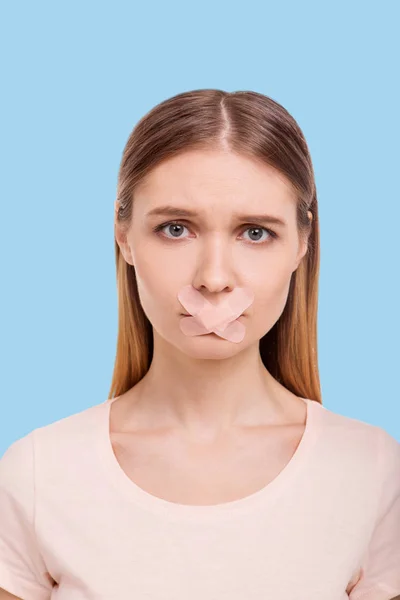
{"x":76,"y":78}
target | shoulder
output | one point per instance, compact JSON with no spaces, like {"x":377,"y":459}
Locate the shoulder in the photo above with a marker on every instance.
{"x":339,"y":427}
{"x":367,"y":450}
{"x":47,"y":446}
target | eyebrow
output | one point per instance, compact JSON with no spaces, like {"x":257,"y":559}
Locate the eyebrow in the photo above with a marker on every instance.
{"x":172,"y":211}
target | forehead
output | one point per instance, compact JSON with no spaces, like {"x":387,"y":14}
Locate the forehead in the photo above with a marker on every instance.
{"x":216,"y":180}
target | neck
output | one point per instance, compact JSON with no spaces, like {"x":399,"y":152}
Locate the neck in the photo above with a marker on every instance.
{"x":180,"y":391}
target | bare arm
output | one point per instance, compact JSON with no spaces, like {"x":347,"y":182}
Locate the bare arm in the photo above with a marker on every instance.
{"x":7,"y":596}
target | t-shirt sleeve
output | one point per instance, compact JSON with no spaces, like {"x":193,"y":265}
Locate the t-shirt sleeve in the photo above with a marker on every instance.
{"x":22,"y":568}
{"x":380,"y":573}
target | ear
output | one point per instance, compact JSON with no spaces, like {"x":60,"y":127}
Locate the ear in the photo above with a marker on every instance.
{"x":303,"y":245}
{"x":123,"y":244}
{"x":301,"y":253}
{"x":121,"y":238}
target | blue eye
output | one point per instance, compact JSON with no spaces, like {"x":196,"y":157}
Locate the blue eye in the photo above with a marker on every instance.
{"x":271,"y":234}
{"x":173,"y":224}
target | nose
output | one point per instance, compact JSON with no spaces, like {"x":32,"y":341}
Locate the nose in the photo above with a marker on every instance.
{"x":215,"y":269}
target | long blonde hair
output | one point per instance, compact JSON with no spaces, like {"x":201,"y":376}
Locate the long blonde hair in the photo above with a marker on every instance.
{"x":256,"y":126}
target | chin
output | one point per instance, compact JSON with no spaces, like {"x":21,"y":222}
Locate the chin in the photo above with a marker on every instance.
{"x":186,"y":315}
{"x":209,"y":348}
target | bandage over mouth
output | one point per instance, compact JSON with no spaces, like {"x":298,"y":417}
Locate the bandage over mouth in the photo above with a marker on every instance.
{"x":209,"y":318}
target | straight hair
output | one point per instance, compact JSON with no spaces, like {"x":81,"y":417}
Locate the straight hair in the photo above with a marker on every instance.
{"x":255,"y":126}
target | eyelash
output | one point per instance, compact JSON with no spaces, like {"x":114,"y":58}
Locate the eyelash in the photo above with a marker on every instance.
{"x":272,"y":233}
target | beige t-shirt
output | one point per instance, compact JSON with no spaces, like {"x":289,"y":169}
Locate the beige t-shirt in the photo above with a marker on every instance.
{"x":73,"y":526}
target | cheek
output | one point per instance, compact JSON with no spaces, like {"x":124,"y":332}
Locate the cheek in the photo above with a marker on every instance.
{"x":271,"y":295}
{"x":156,"y":288}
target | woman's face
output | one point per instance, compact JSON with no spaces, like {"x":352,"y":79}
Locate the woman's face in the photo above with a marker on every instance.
{"x":223,"y":246}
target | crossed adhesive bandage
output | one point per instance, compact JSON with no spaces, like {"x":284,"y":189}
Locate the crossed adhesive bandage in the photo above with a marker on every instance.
{"x":208,"y":318}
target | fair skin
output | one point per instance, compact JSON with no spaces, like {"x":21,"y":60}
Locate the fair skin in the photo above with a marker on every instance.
{"x":214,"y":253}
{"x":216,"y":421}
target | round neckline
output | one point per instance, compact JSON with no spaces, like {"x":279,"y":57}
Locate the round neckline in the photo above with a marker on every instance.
{"x":260,"y":498}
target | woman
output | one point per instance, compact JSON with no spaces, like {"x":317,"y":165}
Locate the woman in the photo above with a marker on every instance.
{"x":213,"y":470}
